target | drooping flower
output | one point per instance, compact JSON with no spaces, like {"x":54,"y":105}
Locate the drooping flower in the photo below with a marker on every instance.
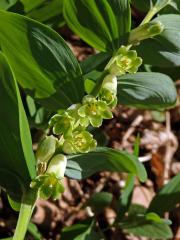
{"x":109,"y":90}
{"x":94,"y":110}
{"x":125,"y":61}
{"x":49,"y":184}
{"x":79,"y":142}
{"x":62,"y":124}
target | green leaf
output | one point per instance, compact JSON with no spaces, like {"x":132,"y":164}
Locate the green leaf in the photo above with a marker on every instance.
{"x":146,"y":91}
{"x":17,"y":165}
{"x":46,"y":11}
{"x":98,"y":201}
{"x":33,"y":230}
{"x":104,"y":159}
{"x":81,"y":231}
{"x":125,"y":198}
{"x":164,"y":49}
{"x":169,"y":195}
{"x":29,"y":5}
{"x":5,"y":4}
{"x":148,"y":225}
{"x":139,"y":226}
{"x":15,"y":205}
{"x":101,"y":23}
{"x":95,"y":62}
{"x":42,"y":62}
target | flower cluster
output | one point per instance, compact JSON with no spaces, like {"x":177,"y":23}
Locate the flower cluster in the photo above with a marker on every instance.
{"x":71,"y":126}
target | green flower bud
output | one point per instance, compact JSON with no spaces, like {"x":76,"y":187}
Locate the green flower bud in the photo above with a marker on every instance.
{"x":57,"y":166}
{"x":94,"y":110}
{"x":80,"y":142}
{"x":46,"y":149}
{"x":62,"y":124}
{"x":126,"y":61}
{"x":145,"y":31}
{"x":109,"y":90}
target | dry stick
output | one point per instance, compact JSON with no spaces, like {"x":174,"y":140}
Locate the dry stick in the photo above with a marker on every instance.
{"x":132,"y":128}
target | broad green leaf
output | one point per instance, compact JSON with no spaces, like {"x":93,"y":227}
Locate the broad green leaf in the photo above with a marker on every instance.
{"x":42,"y":62}
{"x":98,"y":201}
{"x":95,"y":62}
{"x":5,"y":4}
{"x":169,"y":195}
{"x":146,"y":90}
{"x":164,"y":49}
{"x":47,"y":11}
{"x":101,"y":23}
{"x":148,"y":225}
{"x":30,"y":5}
{"x":81,"y":231}
{"x":17,"y":162}
{"x":104,"y":159}
{"x":140,"y":226}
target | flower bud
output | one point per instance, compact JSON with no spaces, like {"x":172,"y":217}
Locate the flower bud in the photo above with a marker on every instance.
{"x":110,"y":83}
{"x":46,"y":149}
{"x":145,"y":31}
{"x":57,"y":166}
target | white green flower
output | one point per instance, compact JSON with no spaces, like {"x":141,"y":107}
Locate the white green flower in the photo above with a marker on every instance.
{"x":126,"y":61}
{"x":62,"y":124}
{"x":94,"y":110}
{"x":79,"y":142}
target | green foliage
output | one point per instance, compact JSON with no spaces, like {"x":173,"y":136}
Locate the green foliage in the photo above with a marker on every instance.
{"x":104,"y":159}
{"x":81,"y":231}
{"x":149,"y":225}
{"x":52,"y":80}
{"x":5,"y":4}
{"x":17,"y":159}
{"x":111,"y":18}
{"x":45,"y":59}
{"x":146,"y":91}
{"x":169,"y":195}
{"x":166,"y":47}
{"x":98,"y":201}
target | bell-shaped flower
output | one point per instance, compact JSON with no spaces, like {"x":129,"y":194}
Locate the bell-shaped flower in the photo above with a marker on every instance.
{"x":126,"y":61}
{"x":94,"y":110}
{"x":49,"y":184}
{"x":57,"y":165}
{"x":62,"y":124}
{"x":73,"y":112}
{"x":79,"y":142}
{"x":109,"y":90}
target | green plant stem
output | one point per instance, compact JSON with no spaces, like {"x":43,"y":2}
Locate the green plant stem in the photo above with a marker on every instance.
{"x":149,"y":15}
{"x":154,"y":10}
{"x":23,"y":220}
{"x":97,"y":87}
